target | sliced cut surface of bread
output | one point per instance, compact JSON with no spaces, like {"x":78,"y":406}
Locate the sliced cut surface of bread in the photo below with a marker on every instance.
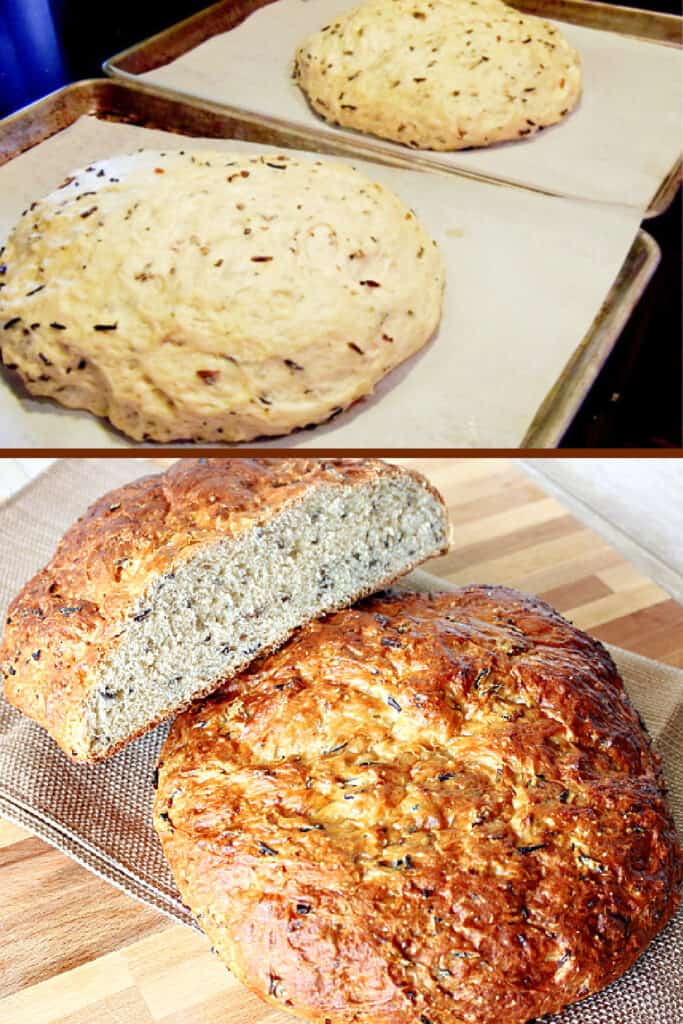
{"x":172,"y":584}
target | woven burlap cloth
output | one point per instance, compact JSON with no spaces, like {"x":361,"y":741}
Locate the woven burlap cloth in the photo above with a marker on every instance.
{"x":101,"y":815}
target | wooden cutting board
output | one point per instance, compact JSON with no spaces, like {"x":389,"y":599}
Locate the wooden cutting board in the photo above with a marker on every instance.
{"x":75,"y":950}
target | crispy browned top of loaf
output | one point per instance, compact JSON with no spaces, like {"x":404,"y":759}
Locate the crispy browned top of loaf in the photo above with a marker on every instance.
{"x":425,"y":809}
{"x":67,"y":618}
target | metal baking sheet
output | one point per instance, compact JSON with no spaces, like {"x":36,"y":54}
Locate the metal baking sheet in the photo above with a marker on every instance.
{"x":622,"y":150}
{"x":534,"y":302}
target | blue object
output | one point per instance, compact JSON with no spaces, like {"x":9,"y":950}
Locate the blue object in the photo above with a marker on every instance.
{"x":32,"y":61}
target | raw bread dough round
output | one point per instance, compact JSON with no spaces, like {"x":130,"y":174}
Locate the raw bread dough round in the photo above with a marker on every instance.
{"x":442,"y":74}
{"x":213,"y":296}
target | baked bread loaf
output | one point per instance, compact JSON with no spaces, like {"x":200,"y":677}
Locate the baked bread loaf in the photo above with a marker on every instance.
{"x":437,"y":809}
{"x":213,"y":296}
{"x":440,"y":74}
{"x":171,"y":584}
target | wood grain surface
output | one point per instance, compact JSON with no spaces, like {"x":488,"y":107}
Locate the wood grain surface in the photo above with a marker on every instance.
{"x":75,"y":950}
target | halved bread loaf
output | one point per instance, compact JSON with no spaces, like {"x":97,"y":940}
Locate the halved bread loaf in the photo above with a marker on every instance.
{"x":172,"y":584}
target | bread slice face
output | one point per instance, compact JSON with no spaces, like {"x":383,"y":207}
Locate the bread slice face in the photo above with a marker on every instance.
{"x":172,"y":584}
{"x":440,"y":74}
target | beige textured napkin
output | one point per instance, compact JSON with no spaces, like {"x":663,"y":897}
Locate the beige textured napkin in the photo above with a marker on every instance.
{"x":101,"y":815}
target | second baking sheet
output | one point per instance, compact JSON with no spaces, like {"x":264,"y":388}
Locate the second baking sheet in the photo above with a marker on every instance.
{"x":618,"y":146}
{"x":527,"y":275}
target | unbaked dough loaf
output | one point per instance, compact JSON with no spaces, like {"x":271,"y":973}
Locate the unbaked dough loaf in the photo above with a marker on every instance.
{"x":440,"y":74}
{"x":215,"y":297}
{"x":431,"y":809}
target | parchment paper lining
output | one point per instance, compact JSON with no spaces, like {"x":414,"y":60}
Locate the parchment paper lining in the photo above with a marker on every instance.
{"x":616,"y":147}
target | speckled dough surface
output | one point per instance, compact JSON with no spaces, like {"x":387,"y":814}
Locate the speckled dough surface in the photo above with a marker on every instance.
{"x":440,"y":74}
{"x":215,"y":297}
{"x":424,"y":810}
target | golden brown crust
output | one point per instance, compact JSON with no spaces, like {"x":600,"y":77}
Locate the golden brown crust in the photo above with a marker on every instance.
{"x":428,"y":808}
{"x":72,"y":614}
